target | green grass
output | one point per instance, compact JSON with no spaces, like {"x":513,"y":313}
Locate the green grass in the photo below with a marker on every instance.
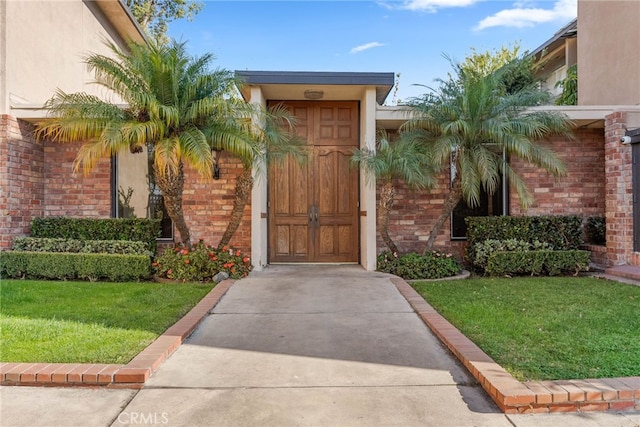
{"x":82,"y":322}
{"x":542,"y":328}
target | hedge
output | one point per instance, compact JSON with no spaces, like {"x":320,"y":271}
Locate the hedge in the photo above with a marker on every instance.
{"x":596,"y":230}
{"x":537,"y":262}
{"x":412,"y":266}
{"x":45,"y":244}
{"x":133,"y":229}
{"x":560,"y":232}
{"x":69,"y":266}
{"x":482,"y":251}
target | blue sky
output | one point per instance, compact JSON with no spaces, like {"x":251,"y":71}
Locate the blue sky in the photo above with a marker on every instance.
{"x":405,"y":37}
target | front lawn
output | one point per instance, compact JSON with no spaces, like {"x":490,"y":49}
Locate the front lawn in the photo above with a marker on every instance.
{"x":82,"y":322}
{"x":546,"y":328}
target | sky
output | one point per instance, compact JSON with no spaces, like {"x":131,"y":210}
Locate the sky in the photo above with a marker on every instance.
{"x":409,"y":38}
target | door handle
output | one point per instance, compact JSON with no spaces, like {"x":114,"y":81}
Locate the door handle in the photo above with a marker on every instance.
{"x":313,"y":215}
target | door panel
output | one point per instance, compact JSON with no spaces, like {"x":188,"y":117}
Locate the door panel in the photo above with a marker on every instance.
{"x":313,"y":214}
{"x":337,"y":202}
{"x":289,"y":205}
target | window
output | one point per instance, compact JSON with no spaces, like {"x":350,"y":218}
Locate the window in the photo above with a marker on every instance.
{"x":136,"y":192}
{"x":490,"y":205}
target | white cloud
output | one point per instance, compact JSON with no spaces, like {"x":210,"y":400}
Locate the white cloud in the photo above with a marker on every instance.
{"x":433,"y":5}
{"x":522,"y":16}
{"x":366,"y":46}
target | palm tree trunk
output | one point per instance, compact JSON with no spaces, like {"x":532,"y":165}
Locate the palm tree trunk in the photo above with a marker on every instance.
{"x":387,"y":194}
{"x":450,"y":203}
{"x":244,"y":184}
{"x":172,"y":185}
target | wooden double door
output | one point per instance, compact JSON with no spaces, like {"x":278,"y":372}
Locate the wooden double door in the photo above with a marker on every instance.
{"x":313,"y":206}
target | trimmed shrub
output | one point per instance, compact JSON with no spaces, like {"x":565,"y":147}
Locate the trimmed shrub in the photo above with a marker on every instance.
{"x":411,"y":266}
{"x":45,"y":244}
{"x":133,"y":229}
{"x":201,"y":263}
{"x":560,"y":232}
{"x":482,"y":251}
{"x":69,"y":266}
{"x":537,"y":262}
{"x":596,"y":230}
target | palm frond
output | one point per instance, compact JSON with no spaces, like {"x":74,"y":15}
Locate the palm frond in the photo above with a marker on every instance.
{"x":402,"y":159}
{"x":473,"y":116}
{"x":197,"y":150}
{"x":76,"y":117}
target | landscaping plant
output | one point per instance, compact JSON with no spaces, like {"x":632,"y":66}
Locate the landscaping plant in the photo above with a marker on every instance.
{"x":177,"y":108}
{"x":596,"y":230}
{"x":473,"y":123}
{"x":201,"y":263}
{"x":273,"y":141}
{"x":403,"y":160}
{"x":411,"y":266}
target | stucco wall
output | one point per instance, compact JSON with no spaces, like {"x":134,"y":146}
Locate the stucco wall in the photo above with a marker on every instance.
{"x":608,"y":46}
{"x":132,"y":173}
{"x":44,"y":44}
{"x":42,"y":47}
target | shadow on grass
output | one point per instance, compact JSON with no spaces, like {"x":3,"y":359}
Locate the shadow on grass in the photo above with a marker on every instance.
{"x":46,"y":321}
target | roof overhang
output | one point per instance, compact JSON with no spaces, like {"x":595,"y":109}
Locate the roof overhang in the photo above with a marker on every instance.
{"x":568,"y":31}
{"x":593,"y":116}
{"x":335,"y":86}
{"x":122,"y":20}
{"x":582,"y":116}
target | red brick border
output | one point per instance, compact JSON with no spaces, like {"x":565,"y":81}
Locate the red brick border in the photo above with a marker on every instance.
{"x":514,"y":397}
{"x":133,"y":374}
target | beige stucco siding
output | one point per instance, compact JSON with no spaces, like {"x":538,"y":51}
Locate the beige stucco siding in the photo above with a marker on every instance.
{"x":44,"y":45}
{"x":608,"y":52}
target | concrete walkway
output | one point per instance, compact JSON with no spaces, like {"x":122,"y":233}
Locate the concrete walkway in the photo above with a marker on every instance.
{"x":296,"y":346}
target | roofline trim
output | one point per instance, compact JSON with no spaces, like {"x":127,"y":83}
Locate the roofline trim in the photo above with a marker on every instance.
{"x":561,"y":33}
{"x":383,"y":82}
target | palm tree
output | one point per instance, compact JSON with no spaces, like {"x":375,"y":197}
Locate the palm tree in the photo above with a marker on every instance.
{"x":273,"y":139}
{"x":173,"y":103}
{"x":403,"y":159}
{"x":470,"y":121}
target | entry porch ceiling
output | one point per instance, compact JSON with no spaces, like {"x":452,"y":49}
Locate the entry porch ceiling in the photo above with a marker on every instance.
{"x":336,"y":86}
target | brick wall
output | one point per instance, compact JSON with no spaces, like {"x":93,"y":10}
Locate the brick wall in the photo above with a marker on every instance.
{"x":21,"y":179}
{"x":37,"y":179}
{"x":413,"y":214}
{"x":72,"y":194}
{"x":208,"y":203}
{"x":581,"y":192}
{"x":619,"y":190}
